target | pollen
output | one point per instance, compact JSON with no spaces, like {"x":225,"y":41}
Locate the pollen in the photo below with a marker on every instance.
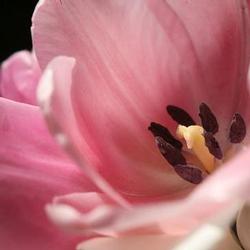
{"x":195,"y":141}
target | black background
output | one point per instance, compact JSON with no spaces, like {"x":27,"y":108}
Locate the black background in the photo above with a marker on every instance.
{"x":15,"y":22}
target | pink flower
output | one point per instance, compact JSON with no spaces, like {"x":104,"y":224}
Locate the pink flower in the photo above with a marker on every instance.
{"x":110,"y":69}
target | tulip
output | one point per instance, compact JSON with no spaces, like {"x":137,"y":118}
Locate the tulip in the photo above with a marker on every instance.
{"x":110,"y":69}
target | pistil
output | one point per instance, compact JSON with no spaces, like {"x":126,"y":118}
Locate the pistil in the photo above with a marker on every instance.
{"x":193,"y":136}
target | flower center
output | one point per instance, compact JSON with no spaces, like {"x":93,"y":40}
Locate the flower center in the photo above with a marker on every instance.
{"x":201,"y":151}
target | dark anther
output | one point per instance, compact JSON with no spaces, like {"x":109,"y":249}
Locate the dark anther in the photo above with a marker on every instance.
{"x":170,"y":153}
{"x":208,"y":119}
{"x":159,"y":130}
{"x":189,"y":173}
{"x":238,"y":129}
{"x":180,"y":116}
{"x":212,"y":145}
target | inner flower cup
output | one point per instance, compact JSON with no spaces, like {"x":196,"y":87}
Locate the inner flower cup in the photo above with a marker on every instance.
{"x":196,"y":152}
{"x":106,"y":88}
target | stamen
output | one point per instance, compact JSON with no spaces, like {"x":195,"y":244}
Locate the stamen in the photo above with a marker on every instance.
{"x":237,"y":129}
{"x":159,"y":130}
{"x":170,"y":153}
{"x":212,"y":145}
{"x":180,"y":116}
{"x":201,"y":146}
{"x":208,"y":119}
{"x":189,"y":173}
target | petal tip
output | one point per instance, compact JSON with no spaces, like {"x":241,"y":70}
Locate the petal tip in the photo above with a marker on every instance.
{"x":52,"y":73}
{"x":61,"y":214}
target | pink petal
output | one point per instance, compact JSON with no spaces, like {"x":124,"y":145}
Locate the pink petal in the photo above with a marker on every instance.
{"x":78,"y":200}
{"x":19,"y":77}
{"x":156,"y":242}
{"x":50,"y":94}
{"x":146,"y":242}
{"x":32,"y":171}
{"x":72,"y":212}
{"x":221,"y":195}
{"x":132,"y":59}
{"x":24,"y":224}
{"x":27,"y":149}
{"x":210,"y":238}
{"x":190,"y":56}
{"x":227,"y":187}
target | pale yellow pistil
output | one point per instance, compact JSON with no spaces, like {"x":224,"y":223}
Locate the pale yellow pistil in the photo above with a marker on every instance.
{"x":193,"y":136}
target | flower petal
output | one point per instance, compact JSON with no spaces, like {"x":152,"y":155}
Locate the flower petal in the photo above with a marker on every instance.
{"x":157,"y":242}
{"x":72,"y":212}
{"x":56,"y":104}
{"x":214,"y":238}
{"x":222,"y":60}
{"x":24,"y":224}
{"x":132,"y":59}
{"x":146,"y":242}
{"x":222,"y":194}
{"x":32,"y":171}
{"x":27,"y":149}
{"x":190,"y":55}
{"x":19,"y":77}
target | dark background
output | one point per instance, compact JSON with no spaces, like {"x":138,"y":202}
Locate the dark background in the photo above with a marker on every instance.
{"x":15,"y":22}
